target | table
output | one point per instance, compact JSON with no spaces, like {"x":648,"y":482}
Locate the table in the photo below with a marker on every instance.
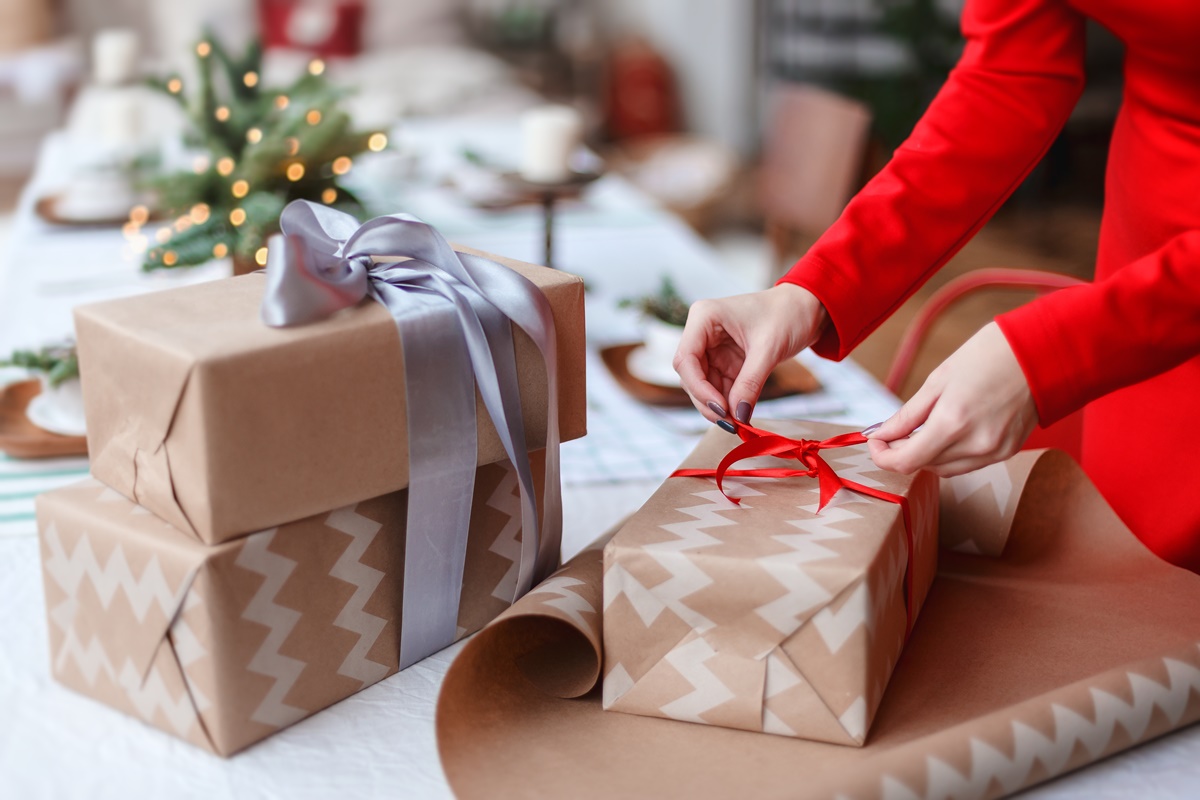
{"x":381,"y":741}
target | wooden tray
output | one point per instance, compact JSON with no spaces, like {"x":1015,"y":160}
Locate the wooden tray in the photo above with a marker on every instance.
{"x":47,"y":209}
{"x":20,"y":438}
{"x":789,"y":378}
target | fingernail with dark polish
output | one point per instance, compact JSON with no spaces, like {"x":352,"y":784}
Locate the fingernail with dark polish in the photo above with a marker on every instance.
{"x":867,"y":431}
{"x":743,"y":412}
{"x":716,"y":409}
{"x":726,"y":426}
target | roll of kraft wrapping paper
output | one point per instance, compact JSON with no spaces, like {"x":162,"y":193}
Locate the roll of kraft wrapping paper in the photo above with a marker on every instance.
{"x":1072,"y":644}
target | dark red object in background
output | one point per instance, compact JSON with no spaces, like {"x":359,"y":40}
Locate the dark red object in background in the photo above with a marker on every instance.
{"x":641,"y":98}
{"x":329,"y":28}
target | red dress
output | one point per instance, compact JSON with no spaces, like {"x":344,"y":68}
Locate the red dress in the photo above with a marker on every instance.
{"x":1128,"y":345}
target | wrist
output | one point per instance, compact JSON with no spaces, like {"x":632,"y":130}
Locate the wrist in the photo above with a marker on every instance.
{"x":806,"y":304}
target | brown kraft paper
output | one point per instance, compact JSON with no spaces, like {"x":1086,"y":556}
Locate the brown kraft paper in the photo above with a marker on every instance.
{"x":1072,"y":643}
{"x":222,"y":425}
{"x":222,"y":646}
{"x":768,"y":615}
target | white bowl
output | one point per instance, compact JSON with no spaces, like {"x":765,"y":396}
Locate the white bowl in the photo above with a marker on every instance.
{"x":59,"y":409}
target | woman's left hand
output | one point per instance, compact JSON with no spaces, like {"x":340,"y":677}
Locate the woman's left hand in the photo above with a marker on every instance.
{"x":976,"y":409}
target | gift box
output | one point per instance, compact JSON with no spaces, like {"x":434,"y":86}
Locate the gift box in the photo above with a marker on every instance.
{"x":224,"y":645}
{"x":774,"y":614}
{"x":222,"y":425}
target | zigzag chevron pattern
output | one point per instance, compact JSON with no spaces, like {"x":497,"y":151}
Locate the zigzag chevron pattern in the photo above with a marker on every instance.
{"x":365,"y":580}
{"x":507,"y":544}
{"x":279,"y":621}
{"x":1072,"y":729}
{"x":994,"y":476}
{"x":566,"y":600}
{"x":708,"y":692}
{"x":803,"y":593}
{"x":150,"y":588}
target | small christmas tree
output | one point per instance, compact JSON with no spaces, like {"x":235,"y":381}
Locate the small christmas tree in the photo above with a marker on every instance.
{"x":260,"y":149}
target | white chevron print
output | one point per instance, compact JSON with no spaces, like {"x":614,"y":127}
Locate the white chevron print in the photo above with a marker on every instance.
{"x":567,"y":601}
{"x":854,"y":719}
{"x":150,"y":588}
{"x":850,"y":464}
{"x":994,"y":476}
{"x":708,"y":691}
{"x":803,"y":593}
{"x":365,"y":580}
{"x":263,"y":609}
{"x":618,"y":582}
{"x":836,"y":627}
{"x":1030,"y":747}
{"x":616,"y":683}
{"x":507,"y":543}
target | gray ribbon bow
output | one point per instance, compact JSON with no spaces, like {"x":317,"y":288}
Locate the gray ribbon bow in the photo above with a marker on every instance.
{"x":453,"y":311}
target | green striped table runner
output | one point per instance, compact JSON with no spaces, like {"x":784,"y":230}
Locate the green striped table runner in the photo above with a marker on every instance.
{"x":22,"y":480}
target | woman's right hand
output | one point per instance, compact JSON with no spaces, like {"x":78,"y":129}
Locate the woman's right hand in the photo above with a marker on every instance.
{"x":730,"y":346}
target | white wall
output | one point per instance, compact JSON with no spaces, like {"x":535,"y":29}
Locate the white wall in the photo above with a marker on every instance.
{"x":710,"y":44}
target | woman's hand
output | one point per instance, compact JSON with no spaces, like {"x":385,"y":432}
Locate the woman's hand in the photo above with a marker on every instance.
{"x":730,"y":346}
{"x":976,"y":409}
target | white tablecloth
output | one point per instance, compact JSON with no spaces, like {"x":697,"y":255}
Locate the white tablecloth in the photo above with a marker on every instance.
{"x":381,"y":741}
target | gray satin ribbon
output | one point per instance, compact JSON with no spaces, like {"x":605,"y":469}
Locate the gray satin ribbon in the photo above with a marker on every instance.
{"x":453,"y":311}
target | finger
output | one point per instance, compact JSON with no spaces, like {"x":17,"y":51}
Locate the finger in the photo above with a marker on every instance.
{"x":704,"y":396}
{"x":749,"y":383}
{"x":906,"y":456}
{"x":961,"y":466}
{"x":911,"y":415}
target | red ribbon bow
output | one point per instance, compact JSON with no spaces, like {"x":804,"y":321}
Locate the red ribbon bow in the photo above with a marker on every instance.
{"x":758,"y":442}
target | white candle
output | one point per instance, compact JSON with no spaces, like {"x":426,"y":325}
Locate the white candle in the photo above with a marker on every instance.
{"x":549,"y":137}
{"x":119,"y":114}
{"x":115,"y":57}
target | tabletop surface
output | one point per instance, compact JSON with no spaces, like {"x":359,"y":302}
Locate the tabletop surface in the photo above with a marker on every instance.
{"x":380,"y":742}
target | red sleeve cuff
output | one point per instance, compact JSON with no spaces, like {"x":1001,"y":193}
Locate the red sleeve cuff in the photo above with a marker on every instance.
{"x":839,"y":296}
{"x":1034,"y":337}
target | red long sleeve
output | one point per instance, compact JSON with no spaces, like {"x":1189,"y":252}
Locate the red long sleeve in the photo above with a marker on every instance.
{"x":1081,"y":343}
{"x":1002,"y":106}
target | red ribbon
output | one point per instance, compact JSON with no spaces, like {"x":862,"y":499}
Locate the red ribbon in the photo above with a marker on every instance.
{"x":758,"y":442}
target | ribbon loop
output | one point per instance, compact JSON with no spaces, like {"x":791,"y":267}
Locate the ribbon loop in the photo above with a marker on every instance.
{"x":758,"y":442}
{"x":454,"y":313}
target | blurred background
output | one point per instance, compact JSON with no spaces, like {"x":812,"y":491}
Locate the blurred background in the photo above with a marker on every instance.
{"x":749,"y":122}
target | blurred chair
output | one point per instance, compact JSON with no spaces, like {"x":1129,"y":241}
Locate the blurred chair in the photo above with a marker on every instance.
{"x":1066,"y":434}
{"x":815,"y":144}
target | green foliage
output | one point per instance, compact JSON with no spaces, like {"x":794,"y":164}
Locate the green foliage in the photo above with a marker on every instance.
{"x":264,"y":147}
{"x":58,"y":362}
{"x":666,"y":304}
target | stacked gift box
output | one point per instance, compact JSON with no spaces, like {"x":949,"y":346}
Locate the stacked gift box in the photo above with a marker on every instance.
{"x":237,"y":562}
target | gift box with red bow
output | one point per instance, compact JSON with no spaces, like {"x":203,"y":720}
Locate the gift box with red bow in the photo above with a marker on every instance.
{"x":769,"y":585}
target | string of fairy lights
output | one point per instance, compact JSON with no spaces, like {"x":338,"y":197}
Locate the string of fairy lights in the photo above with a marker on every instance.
{"x":137,"y":229}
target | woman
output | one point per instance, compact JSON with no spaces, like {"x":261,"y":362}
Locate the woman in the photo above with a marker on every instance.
{"x":1125,"y":346}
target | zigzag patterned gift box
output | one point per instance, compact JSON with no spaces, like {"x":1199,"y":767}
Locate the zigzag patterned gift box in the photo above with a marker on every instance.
{"x":225,"y":645}
{"x":770,"y":615}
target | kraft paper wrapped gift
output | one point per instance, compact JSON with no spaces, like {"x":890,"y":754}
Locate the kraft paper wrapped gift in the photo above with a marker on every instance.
{"x":769,"y":615}
{"x":225,"y":645}
{"x":222,"y":425}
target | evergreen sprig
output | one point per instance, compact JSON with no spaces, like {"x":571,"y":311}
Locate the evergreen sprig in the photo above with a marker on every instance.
{"x":262,"y":148}
{"x":59,"y":362}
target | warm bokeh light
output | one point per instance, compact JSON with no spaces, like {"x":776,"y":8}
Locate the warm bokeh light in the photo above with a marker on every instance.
{"x":175,"y":86}
{"x":281,"y":101}
{"x":377,"y":142}
{"x":295,"y":171}
{"x":254,"y":135}
{"x":162,"y":235}
{"x":260,"y":256}
{"x":183,"y":223}
{"x":225,"y":166}
{"x":138,"y":215}
{"x":316,"y":66}
{"x":199,"y":164}
{"x":240,"y":188}
{"x":342,"y":165}
{"x":130,"y":230}
{"x":293,"y":145}
{"x":250,"y":79}
{"x":138,"y":244}
{"x":220,"y":250}
{"x":328,"y":196}
{"x":170,"y":258}
{"x":200,"y":213}
{"x":313,"y":117}
{"x":204,"y":49}
{"x":237,"y":217}
{"x":222,"y":113}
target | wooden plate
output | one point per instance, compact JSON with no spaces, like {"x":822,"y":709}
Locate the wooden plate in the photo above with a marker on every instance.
{"x":789,"y":378}
{"x":47,"y":209}
{"x":20,"y":438}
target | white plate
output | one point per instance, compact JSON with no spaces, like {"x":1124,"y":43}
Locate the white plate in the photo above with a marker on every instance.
{"x":649,"y":367}
{"x":42,"y":412}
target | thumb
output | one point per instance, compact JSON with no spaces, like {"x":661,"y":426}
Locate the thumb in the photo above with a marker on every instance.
{"x":910,"y":416}
{"x":749,"y":384}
